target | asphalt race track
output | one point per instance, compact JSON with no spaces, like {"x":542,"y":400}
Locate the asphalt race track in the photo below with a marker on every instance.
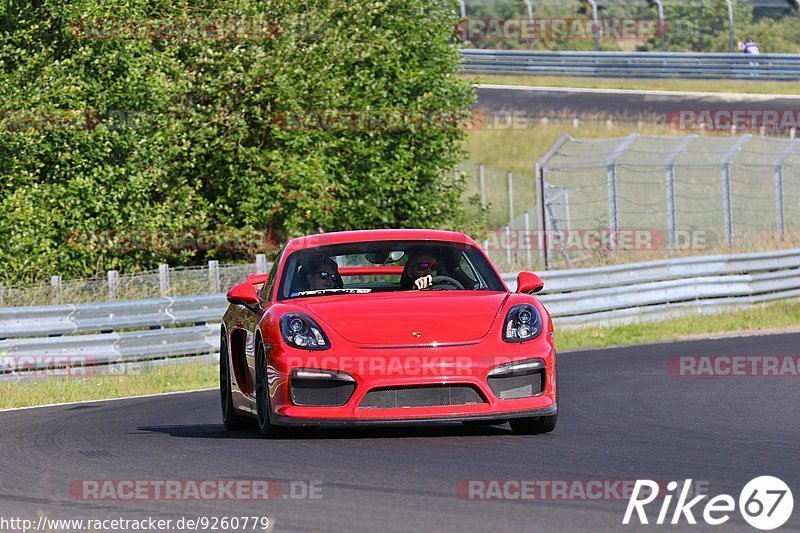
{"x":587,"y":103}
{"x":623,"y":416}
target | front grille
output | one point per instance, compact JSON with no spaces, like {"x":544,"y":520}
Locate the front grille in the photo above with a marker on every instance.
{"x":517,"y":385}
{"x":423,"y":396}
{"x":321,"y":392}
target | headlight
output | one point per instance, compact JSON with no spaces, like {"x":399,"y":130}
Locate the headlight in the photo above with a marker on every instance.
{"x":301,"y":331}
{"x":523,"y":323}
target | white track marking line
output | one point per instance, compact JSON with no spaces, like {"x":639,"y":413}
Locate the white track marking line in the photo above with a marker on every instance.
{"x":687,"y":94}
{"x":107,"y":399}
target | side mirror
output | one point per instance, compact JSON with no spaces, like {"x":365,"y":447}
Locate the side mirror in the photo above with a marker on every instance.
{"x":244,"y":294}
{"x":528,"y":282}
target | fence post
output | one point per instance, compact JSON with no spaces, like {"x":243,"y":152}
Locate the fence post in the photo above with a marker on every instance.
{"x":510,"y":197}
{"x":779,"y":202}
{"x":662,"y":26}
{"x":731,"y":47}
{"x":540,"y":197}
{"x":464,"y":22}
{"x":531,"y":29}
{"x":611,"y":173}
{"x":482,"y":186}
{"x":113,"y":284}
{"x":541,"y":240}
{"x":595,"y":26}
{"x":55,"y":282}
{"x":2,"y":294}
{"x":779,"y":220}
{"x":508,"y":245}
{"x":261,"y":264}
{"x":527,"y":220}
{"x":213,"y":276}
{"x":672,"y":223}
{"x":727,"y":204}
{"x":163,"y":279}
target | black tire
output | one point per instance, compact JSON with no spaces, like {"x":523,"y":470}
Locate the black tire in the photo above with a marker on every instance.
{"x":537,"y":424}
{"x":265,"y":427}
{"x":232,"y":420}
{"x":534,"y":425}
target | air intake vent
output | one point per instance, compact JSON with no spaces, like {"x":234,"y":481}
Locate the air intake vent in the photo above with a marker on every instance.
{"x":423,"y":396}
{"x":516,"y":385}
{"x":321,"y":392}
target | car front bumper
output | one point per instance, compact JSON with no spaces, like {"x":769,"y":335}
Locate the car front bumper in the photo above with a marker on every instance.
{"x":462,"y":365}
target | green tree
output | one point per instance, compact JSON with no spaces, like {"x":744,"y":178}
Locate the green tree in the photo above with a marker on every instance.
{"x":184,"y":134}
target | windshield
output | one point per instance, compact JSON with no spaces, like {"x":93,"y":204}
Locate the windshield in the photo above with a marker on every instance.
{"x":386,"y":266}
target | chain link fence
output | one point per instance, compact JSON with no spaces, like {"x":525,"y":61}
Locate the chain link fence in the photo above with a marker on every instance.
{"x":646,"y":194}
{"x":726,"y":190}
{"x":507,"y":201}
{"x":166,"y":281}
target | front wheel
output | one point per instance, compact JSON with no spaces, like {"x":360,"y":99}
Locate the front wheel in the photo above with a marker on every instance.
{"x":265,"y":427}
{"x":534,"y":425}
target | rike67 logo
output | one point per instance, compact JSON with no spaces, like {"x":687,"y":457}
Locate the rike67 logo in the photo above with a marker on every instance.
{"x":765,"y":503}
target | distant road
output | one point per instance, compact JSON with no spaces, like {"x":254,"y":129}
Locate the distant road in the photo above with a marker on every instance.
{"x":609,"y":103}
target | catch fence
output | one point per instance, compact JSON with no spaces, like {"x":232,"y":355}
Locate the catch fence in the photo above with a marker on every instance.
{"x":641,"y":193}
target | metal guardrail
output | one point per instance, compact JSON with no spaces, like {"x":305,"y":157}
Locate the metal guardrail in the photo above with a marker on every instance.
{"x":653,"y":290}
{"x":634,"y":64}
{"x":110,"y":316}
{"x":37,"y":338}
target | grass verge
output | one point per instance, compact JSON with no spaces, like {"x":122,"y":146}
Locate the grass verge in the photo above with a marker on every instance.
{"x":711,"y":86}
{"x":152,"y":380}
{"x":201,"y":375}
{"x":760,"y":318}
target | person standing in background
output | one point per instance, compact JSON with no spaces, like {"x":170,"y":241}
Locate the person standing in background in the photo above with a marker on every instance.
{"x":749,"y":47}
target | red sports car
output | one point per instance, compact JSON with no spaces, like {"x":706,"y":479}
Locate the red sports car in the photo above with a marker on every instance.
{"x":386,"y":326}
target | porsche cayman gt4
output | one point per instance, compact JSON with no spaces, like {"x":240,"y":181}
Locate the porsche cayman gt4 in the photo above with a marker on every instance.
{"x":386,"y":326}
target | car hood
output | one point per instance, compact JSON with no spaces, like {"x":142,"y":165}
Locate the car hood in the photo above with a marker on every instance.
{"x":408,"y":318}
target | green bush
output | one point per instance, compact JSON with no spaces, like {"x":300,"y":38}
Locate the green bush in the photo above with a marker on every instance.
{"x":102,"y":135}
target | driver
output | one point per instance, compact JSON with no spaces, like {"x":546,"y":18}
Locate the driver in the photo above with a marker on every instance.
{"x":323,"y":273}
{"x":419,"y":271}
